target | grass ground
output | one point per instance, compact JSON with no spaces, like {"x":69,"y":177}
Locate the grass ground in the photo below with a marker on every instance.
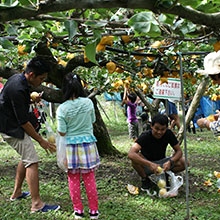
{"x":112,"y":178}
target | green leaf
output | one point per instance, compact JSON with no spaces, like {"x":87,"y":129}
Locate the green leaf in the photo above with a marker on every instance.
{"x":5,"y":43}
{"x":154,"y":31}
{"x":190,"y":3}
{"x":24,"y":36}
{"x":95,"y":23}
{"x":90,"y":51}
{"x":9,"y":4}
{"x":37,"y":24}
{"x":71,"y":27}
{"x":187,"y":28}
{"x":24,"y":2}
{"x":28,"y":46}
{"x":97,"y":33}
{"x":11,"y":29}
{"x":144,"y":23}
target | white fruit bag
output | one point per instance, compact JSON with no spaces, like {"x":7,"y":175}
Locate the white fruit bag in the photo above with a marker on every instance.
{"x":61,"y":153}
{"x":156,"y":178}
{"x":159,"y":180}
{"x":175,"y":183}
{"x":51,"y":136}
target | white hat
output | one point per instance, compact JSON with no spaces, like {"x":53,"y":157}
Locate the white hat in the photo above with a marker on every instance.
{"x":211,"y":64}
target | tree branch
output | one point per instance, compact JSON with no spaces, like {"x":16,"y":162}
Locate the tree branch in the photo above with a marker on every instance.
{"x":197,"y":17}
{"x":193,"y":106}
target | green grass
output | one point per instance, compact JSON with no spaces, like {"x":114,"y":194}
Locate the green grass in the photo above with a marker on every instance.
{"x":113,"y":175}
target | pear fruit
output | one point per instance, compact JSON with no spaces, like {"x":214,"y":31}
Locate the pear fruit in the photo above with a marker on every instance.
{"x":51,"y":139}
{"x":162,"y":192}
{"x":159,"y":170}
{"x":34,"y":95}
{"x":161,"y":183}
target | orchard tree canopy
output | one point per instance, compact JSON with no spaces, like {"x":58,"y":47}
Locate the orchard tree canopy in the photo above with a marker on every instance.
{"x":194,"y":11}
{"x":139,"y":37}
{"x":110,"y":44}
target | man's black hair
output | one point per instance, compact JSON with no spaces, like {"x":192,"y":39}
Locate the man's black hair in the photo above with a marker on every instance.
{"x":132,"y":97}
{"x":160,"y":119}
{"x":38,"y":65}
{"x":72,"y":86}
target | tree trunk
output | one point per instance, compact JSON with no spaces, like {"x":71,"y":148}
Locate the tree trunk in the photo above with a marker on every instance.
{"x":104,"y":143}
{"x":153,"y":108}
{"x":193,"y":106}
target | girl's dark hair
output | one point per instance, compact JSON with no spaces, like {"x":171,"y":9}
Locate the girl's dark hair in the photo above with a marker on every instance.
{"x":72,"y":86}
{"x":38,"y":65}
{"x":160,"y":119}
{"x":132,"y":97}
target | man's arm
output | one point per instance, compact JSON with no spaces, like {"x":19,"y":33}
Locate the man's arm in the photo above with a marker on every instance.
{"x":176,"y":156}
{"x":135,"y":156}
{"x":125,"y":101}
{"x":29,"y":129}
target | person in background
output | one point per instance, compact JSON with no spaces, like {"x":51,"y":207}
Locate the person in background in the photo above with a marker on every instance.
{"x":145,"y":120}
{"x":1,"y":85}
{"x":211,"y":69}
{"x":130,"y":101}
{"x":173,"y":114}
{"x":188,"y":101}
{"x":75,"y":117}
{"x":149,"y":151}
{"x":17,"y":130}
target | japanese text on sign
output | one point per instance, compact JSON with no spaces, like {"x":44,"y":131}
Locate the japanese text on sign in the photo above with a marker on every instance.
{"x":169,"y":90}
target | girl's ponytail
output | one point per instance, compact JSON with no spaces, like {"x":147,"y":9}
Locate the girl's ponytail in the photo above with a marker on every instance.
{"x":72,"y":86}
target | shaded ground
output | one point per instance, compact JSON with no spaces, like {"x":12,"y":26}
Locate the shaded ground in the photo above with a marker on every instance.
{"x":118,"y":169}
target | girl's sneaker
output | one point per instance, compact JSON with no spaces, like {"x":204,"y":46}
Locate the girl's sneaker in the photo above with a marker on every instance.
{"x":78,"y":215}
{"x":94,"y":214}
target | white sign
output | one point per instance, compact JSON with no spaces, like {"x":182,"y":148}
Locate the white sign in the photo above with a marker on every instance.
{"x":170,"y":90}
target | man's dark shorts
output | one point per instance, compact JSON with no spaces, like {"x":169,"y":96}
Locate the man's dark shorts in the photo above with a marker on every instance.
{"x":160,"y":162}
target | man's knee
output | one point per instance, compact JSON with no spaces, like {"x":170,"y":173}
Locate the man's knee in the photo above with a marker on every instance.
{"x":31,"y":165}
{"x":181,"y":163}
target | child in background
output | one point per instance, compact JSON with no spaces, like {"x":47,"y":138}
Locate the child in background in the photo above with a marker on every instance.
{"x":75,"y":117}
{"x":145,"y":121}
{"x":1,"y":85}
{"x":130,"y":101}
